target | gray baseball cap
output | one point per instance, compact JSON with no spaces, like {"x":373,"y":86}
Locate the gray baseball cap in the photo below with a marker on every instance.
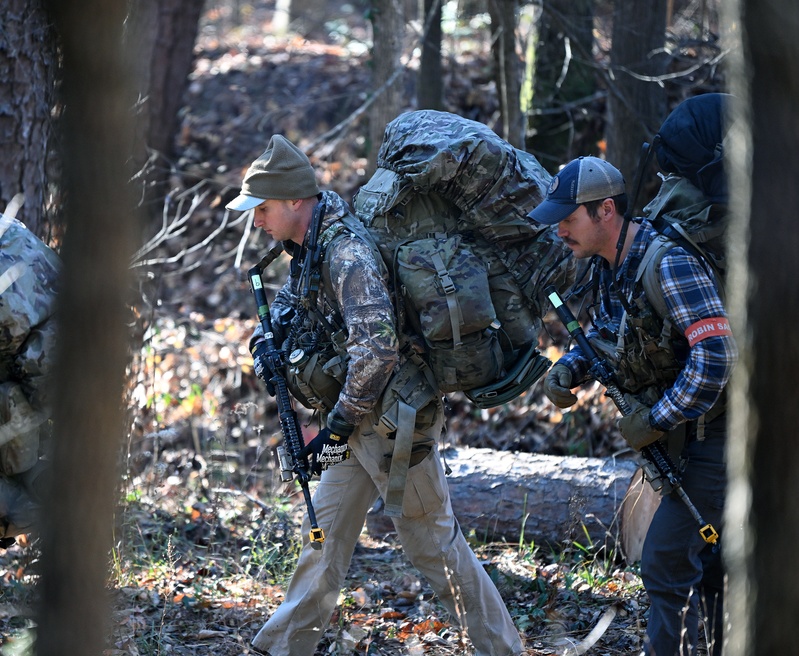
{"x":580,"y":181}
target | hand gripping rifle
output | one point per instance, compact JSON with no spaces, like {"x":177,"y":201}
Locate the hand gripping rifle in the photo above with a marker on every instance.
{"x":288,"y":454}
{"x":659,"y":466}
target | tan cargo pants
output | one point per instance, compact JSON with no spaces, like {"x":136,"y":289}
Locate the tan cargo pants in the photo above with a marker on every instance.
{"x":430,"y":536}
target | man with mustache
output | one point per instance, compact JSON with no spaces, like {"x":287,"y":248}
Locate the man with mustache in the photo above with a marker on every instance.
{"x":673,"y":369}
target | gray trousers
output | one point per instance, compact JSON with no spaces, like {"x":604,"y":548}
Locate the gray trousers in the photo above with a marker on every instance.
{"x":430,"y":536}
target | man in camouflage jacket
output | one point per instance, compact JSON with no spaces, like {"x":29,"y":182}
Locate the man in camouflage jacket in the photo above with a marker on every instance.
{"x":29,"y":272}
{"x":351,"y":453}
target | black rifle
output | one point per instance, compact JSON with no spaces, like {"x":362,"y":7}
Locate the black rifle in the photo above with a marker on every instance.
{"x":659,"y":466}
{"x":291,"y":463}
{"x":310,"y":275}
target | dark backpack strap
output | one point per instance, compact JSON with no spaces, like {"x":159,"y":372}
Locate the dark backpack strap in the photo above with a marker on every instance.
{"x":647,"y":273}
{"x":647,"y":153}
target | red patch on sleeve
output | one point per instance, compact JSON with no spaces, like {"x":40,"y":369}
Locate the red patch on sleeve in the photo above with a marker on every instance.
{"x":715,"y":327}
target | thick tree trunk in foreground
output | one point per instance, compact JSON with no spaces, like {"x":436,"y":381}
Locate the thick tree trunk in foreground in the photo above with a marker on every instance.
{"x":498,"y":494}
{"x":27,"y":72}
{"x":77,"y":530}
{"x":762,"y":519}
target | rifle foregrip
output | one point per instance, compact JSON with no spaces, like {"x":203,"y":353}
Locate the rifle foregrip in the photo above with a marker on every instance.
{"x":618,"y":398}
{"x":288,"y":421}
{"x":659,"y":457}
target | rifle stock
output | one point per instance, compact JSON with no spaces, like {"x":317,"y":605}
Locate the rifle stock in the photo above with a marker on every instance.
{"x":659,"y":467}
{"x":291,"y":463}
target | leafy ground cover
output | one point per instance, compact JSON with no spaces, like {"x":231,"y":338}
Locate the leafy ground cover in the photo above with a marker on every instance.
{"x":197,"y":567}
{"x":207,"y":536}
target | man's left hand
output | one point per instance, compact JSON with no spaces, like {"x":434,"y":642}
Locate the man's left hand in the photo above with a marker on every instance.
{"x":635,"y":427}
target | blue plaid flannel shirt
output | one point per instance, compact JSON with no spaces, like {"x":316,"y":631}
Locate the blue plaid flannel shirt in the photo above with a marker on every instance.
{"x":691,"y":295}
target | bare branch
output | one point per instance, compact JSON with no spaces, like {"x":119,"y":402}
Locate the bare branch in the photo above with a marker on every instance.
{"x":171,"y":233}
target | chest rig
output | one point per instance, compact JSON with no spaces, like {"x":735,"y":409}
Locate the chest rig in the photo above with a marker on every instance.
{"x":645,"y":350}
{"x":315,"y":346}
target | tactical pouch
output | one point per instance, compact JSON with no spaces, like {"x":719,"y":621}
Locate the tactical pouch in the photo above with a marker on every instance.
{"x":412,"y":385}
{"x":476,"y":362}
{"x":520,"y":327}
{"x":409,"y":405}
{"x":447,"y":286}
{"x":315,"y":379}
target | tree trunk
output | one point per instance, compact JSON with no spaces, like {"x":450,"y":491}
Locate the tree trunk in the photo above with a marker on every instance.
{"x":27,"y":82}
{"x":762,"y":519}
{"x":499,"y":495}
{"x":90,"y":364}
{"x":564,"y":80}
{"x":163,"y":33}
{"x":507,"y":69}
{"x":388,"y":28}
{"x":430,"y":92}
{"x":636,"y":106}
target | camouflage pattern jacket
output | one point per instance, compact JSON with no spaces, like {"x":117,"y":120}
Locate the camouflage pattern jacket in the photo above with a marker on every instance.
{"x":353,"y":295}
{"x":29,"y":275}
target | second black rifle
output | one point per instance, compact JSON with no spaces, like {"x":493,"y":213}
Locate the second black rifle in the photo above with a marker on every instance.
{"x":659,"y":462}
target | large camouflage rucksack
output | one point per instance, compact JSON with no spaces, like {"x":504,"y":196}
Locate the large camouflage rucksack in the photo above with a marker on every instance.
{"x":29,"y":276}
{"x":690,"y":209}
{"x":447,"y":207}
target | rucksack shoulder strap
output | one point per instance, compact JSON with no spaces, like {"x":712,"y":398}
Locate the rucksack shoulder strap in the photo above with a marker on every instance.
{"x":354,"y":226}
{"x":648,"y":270}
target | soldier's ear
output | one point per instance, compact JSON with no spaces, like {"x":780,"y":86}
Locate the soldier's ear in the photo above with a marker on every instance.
{"x":607,"y":209}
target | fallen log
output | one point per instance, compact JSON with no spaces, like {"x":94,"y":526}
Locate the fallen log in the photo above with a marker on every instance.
{"x":549,"y":500}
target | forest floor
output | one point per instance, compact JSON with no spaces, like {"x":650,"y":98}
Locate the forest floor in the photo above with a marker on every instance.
{"x":206,"y":537}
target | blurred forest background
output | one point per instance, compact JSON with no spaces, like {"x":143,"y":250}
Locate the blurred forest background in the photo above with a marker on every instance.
{"x":204,"y":536}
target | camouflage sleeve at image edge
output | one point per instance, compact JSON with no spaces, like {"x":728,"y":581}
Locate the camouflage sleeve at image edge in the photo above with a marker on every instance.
{"x":29,"y":277}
